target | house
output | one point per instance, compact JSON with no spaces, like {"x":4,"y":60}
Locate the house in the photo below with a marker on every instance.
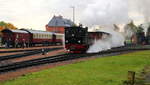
{"x":57,"y":24}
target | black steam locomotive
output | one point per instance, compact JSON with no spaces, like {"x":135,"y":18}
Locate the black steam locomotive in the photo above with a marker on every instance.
{"x":78,"y":39}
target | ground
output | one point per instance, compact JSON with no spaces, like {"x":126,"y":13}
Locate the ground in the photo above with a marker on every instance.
{"x":110,"y":70}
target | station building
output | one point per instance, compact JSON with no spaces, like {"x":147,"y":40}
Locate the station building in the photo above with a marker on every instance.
{"x":57,"y":24}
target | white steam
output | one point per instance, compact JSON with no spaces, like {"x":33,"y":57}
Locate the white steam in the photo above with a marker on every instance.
{"x":115,"y":39}
{"x":105,"y":12}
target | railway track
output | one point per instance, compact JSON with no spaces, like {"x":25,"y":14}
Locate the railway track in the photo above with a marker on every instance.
{"x":32,"y":52}
{"x":18,"y":51}
{"x":63,"y":57}
{"x":23,"y":50}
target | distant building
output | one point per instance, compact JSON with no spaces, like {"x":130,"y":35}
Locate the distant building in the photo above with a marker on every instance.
{"x":57,"y":24}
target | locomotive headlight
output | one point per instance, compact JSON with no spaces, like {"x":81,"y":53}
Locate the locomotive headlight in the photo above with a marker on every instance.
{"x":72,"y":34}
{"x":79,"y":41}
{"x":66,"y":41}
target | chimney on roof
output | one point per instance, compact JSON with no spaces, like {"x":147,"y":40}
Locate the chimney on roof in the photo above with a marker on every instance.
{"x":60,"y":16}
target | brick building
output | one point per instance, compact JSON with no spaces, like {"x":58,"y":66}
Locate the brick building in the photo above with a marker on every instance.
{"x":57,"y":24}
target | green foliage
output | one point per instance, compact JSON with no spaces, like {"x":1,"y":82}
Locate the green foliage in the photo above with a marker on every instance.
{"x":140,"y":29}
{"x":116,"y":27}
{"x":100,"y":71}
{"x":148,"y":31}
{"x":4,"y":25}
{"x":132,"y":26}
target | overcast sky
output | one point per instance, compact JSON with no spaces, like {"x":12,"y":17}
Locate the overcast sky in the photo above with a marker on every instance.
{"x":36,"y":14}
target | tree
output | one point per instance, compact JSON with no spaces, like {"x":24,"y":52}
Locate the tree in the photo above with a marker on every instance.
{"x":11,"y":26}
{"x":116,"y":28}
{"x":133,"y":27}
{"x":140,"y":29}
{"x":148,"y":31}
{"x":4,"y":25}
{"x":130,"y":29}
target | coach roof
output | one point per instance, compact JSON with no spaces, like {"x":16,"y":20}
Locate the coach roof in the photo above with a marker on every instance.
{"x":39,"y":32}
{"x":14,"y":31}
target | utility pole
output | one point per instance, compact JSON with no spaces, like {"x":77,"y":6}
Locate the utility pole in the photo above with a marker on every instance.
{"x":73,"y":13}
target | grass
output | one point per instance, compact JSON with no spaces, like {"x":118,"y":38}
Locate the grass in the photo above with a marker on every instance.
{"x":100,"y":71}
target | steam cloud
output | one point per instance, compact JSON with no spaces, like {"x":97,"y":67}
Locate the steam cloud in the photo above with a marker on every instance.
{"x":115,"y":39}
{"x":105,"y":12}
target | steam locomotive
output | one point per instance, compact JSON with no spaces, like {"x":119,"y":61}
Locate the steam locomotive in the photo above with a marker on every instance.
{"x":78,"y":39}
{"x":26,"y":38}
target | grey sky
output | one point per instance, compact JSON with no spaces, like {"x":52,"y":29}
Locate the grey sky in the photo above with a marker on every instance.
{"x":37,"y":13}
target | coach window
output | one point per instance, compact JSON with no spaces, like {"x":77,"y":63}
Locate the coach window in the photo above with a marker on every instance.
{"x":47,"y":36}
{"x":16,"y":35}
{"x":43,"y":35}
{"x":36,"y":35}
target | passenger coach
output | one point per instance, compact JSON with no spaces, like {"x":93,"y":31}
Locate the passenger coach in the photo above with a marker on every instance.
{"x":26,"y":38}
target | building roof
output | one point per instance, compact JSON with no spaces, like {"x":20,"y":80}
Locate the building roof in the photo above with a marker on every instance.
{"x":60,"y":21}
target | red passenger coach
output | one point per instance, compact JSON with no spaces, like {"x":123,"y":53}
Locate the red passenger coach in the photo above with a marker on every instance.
{"x":13,"y":37}
{"x":26,"y":38}
{"x":44,"y":37}
{"x":40,"y":37}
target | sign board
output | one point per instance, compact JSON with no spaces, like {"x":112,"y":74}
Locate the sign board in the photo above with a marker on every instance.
{"x":131,"y":77}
